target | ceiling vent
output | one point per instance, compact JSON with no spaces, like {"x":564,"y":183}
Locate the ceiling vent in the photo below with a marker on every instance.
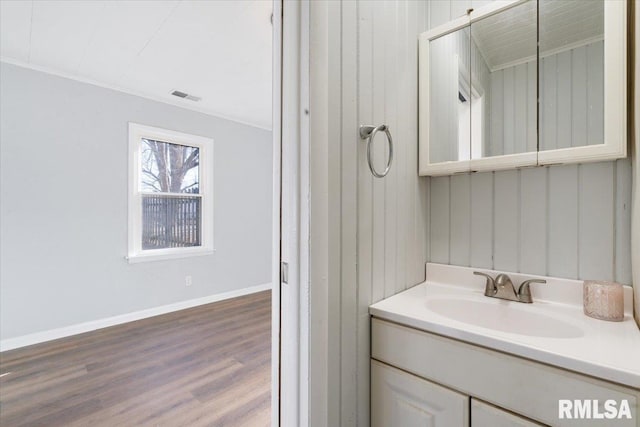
{"x":185,"y":96}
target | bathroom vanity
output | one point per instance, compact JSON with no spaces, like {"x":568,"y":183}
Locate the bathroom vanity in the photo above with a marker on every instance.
{"x":442,"y":353}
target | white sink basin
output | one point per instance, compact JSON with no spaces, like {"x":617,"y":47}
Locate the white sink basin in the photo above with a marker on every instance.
{"x":553,"y":330}
{"x":504,"y":316}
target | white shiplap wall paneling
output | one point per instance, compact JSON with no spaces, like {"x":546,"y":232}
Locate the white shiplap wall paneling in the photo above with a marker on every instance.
{"x":506,"y":231}
{"x":349,"y":316}
{"x":596,"y":215}
{"x":579,"y":106}
{"x":532,"y":106}
{"x":439,"y":217}
{"x":364,"y":81}
{"x":378,"y":97}
{"x":365,"y":180}
{"x":564,"y":86}
{"x":392,"y":213}
{"x":390,"y":182}
{"x":623,"y":221}
{"x":595,"y":93}
{"x":481,"y":233}
{"x":439,"y":12}
{"x":509,"y":102}
{"x":520,"y":108}
{"x":569,"y":221}
{"x":532,"y":222}
{"x":562,"y":254}
{"x":572,"y":97}
{"x":460,"y":219}
{"x":496,"y":135}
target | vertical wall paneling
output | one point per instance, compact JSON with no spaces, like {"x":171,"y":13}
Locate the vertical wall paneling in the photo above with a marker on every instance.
{"x":481,"y":220}
{"x":460,"y":219}
{"x":571,"y":97}
{"x":533,"y":221}
{"x":520,"y":109}
{"x":365,"y":179}
{"x":459,"y":8}
{"x":418,"y":199}
{"x":548,"y":103}
{"x":596,"y":221}
{"x":378,"y":95}
{"x":506,"y":232}
{"x":595,"y":92}
{"x":403,"y":26}
{"x":562,"y":254}
{"x":579,"y":96}
{"x":622,"y":221}
{"x":439,"y":220}
{"x":495,"y":144}
{"x":532,"y":106}
{"x":364,"y":67}
{"x":563,"y":77}
{"x":350,"y":144}
{"x":439,"y":12}
{"x":508,"y":124}
{"x":390,"y":182}
{"x":379,"y":77}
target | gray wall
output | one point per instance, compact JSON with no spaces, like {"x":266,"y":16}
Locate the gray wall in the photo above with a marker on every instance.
{"x":63,"y":215}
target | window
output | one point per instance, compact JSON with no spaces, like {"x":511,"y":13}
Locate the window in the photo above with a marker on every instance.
{"x":170,"y":194}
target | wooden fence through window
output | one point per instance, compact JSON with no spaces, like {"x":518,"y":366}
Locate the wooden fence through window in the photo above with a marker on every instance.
{"x":171,"y":221}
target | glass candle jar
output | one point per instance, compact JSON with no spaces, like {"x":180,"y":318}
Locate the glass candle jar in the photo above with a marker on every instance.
{"x":603,"y":300}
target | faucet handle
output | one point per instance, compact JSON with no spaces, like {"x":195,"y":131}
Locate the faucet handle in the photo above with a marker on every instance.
{"x":524,"y":292}
{"x":490,"y":287}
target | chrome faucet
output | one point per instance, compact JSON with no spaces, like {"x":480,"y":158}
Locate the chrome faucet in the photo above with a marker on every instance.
{"x":502,"y":287}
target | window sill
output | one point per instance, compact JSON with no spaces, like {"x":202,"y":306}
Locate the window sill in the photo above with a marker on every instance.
{"x":161,"y":255}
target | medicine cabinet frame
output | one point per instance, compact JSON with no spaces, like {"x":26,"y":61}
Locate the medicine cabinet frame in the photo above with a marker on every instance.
{"x":615,"y":143}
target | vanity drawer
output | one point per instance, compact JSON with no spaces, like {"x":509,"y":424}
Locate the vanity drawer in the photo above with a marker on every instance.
{"x":520,"y":385}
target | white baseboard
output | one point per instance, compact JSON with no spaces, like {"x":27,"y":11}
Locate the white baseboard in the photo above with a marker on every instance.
{"x":80,"y":328}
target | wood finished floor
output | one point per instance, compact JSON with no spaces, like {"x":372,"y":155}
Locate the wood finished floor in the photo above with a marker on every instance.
{"x":205,"y":366}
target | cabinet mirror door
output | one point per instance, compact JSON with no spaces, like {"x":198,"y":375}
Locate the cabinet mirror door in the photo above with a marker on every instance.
{"x":450,"y":99}
{"x":582,"y":80}
{"x":571,"y":73}
{"x":503,"y":93}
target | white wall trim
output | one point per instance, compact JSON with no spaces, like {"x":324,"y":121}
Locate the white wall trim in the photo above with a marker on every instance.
{"x":177,"y":103}
{"x":80,"y":328}
{"x":276,"y":206}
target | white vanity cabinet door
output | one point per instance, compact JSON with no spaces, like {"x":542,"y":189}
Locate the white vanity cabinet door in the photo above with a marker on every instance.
{"x":485,"y":415}
{"x":402,"y":399}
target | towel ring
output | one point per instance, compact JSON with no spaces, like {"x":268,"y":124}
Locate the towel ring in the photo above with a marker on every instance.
{"x":368,"y":132}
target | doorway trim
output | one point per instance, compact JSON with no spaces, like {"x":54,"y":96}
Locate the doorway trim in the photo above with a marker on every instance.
{"x":291,"y":214}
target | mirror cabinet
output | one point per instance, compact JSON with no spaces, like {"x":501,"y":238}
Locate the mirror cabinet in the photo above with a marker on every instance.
{"x":524,"y":83}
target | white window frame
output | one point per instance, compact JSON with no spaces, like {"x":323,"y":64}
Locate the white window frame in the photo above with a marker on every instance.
{"x":135,"y":252}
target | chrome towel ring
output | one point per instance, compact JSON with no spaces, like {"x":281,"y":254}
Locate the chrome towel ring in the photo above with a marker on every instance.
{"x":368,"y":132}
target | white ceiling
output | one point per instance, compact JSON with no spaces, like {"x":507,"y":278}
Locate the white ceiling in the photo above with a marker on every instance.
{"x":510,"y":37}
{"x":218,"y":50}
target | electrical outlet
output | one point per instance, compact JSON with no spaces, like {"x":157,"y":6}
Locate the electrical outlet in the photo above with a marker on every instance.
{"x":187,"y":280}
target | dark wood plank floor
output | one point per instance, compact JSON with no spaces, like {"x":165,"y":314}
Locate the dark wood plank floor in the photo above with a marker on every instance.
{"x":205,"y":366}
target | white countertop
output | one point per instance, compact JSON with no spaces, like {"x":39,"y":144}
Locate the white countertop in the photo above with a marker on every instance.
{"x":606,"y":350}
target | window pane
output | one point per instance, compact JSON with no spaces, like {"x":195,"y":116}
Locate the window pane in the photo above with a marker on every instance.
{"x":170,"y":222}
{"x":169,"y":168}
